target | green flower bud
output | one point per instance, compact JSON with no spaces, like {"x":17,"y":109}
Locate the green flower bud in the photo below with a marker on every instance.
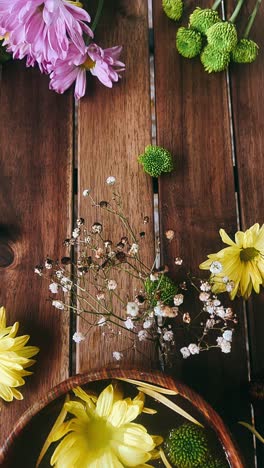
{"x":214,"y":60}
{"x":4,"y":55}
{"x":246,"y":51}
{"x":188,"y":42}
{"x":202,"y":19}
{"x":222,"y":36}
{"x":187,"y":447}
{"x":173,"y":8}
{"x":156,"y":160}
{"x":163,"y":289}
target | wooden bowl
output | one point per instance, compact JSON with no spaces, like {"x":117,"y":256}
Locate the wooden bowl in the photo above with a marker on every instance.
{"x":26,"y":439}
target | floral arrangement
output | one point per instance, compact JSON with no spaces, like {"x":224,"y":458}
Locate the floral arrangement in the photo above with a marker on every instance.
{"x":15,"y":358}
{"x":98,"y":430}
{"x":90,"y":287}
{"x":217,"y":42}
{"x":56,"y":36}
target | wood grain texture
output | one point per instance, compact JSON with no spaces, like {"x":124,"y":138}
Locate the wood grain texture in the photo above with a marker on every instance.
{"x":196,"y":200}
{"x":35,"y":204}
{"x":14,"y":445}
{"x":248,"y":103}
{"x":114,"y":127}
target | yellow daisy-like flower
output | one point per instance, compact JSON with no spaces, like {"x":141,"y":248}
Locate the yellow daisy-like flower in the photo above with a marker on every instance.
{"x":101,"y":433}
{"x":14,"y":358}
{"x":242,"y":263}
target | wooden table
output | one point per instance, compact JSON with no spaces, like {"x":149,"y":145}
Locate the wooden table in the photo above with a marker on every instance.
{"x":213,"y":125}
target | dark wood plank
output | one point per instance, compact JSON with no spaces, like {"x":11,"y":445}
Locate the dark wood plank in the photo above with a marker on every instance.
{"x":248,"y":104}
{"x":35,"y":207}
{"x":114,"y":127}
{"x":198,"y":199}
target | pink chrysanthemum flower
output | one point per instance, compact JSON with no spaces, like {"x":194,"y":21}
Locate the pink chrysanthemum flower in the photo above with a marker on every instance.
{"x":101,"y":63}
{"x":47,"y":27}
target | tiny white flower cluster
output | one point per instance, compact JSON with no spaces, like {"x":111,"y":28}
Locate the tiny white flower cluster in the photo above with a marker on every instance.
{"x":111,"y":285}
{"x":117,"y":355}
{"x":219,"y":318}
{"x":224,"y":341}
{"x":191,"y":350}
{"x":78,"y":337}
{"x":229,"y":285}
{"x":64,"y":283}
{"x":157,"y":308}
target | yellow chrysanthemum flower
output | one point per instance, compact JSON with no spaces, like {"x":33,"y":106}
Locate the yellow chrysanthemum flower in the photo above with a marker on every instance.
{"x":14,"y":358}
{"x":242,"y":263}
{"x":101,"y":433}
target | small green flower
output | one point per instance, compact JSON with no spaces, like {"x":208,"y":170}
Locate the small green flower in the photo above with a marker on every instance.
{"x":202,"y":19}
{"x":188,"y":42}
{"x":222,"y":36}
{"x":214,"y":60}
{"x":246,"y":51}
{"x":187,"y":446}
{"x":4,"y":55}
{"x":156,"y":160}
{"x":173,"y":8}
{"x":163,"y":289}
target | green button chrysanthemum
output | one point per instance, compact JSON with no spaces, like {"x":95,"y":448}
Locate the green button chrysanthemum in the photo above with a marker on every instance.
{"x":188,"y":42}
{"x":173,"y":8}
{"x":202,"y":19}
{"x":214,"y":60}
{"x":164,"y":289}
{"x":187,"y":447}
{"x":156,"y":160}
{"x":222,"y":36}
{"x":246,"y":51}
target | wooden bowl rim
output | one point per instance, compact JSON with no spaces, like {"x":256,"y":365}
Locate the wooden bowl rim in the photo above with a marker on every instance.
{"x":154,"y":377}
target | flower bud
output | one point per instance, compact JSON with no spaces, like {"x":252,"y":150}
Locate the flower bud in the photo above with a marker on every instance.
{"x":222,"y":36}
{"x":202,"y":19}
{"x":246,"y":51}
{"x":188,"y":42}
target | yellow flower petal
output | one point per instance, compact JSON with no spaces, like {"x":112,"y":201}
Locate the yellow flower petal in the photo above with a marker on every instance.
{"x":131,"y":456}
{"x":14,"y":330}
{"x":134,"y":435}
{"x":109,"y":460}
{"x":10,"y":377}
{"x":105,"y":402}
{"x":87,"y":397}
{"x":6,"y":392}
{"x":2,"y":318}
{"x":170,"y":404}
{"x":117,"y":417}
{"x":163,"y":390}
{"x":57,"y":424}
{"x":77,"y":409}
{"x":14,"y":360}
{"x":225,"y":238}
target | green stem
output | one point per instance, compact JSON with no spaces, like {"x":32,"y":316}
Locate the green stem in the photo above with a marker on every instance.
{"x":97,"y":15}
{"x":251,"y":19}
{"x":216,"y":4}
{"x":236,"y":11}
